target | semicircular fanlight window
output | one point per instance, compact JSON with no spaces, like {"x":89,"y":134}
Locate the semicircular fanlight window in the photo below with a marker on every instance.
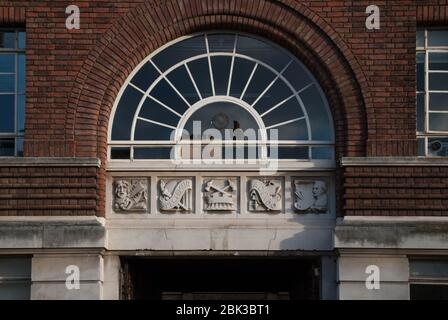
{"x":221,"y":81}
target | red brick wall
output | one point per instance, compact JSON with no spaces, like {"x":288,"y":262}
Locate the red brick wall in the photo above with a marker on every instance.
{"x":47,"y":191}
{"x":397,"y":191}
{"x":432,"y":12}
{"x":73,"y":76}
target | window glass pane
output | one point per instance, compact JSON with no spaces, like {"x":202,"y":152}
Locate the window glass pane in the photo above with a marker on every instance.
{"x":260,"y":81}
{"x":154,"y":111}
{"x":420,"y":112}
{"x":119,"y":153}
{"x":166,"y":94}
{"x":145,"y":76}
{"x":121,"y":129}
{"x":288,"y":152}
{"x":179,"y":52}
{"x":182,"y":81}
{"x":292,"y":131}
{"x":7,"y":118}
{"x":287,"y":111}
{"x":201,"y":74}
{"x":438,"y":101}
{"x":22,"y":40}
{"x":262,"y":51}
{"x":428,"y":292}
{"x":437,"y":38}
{"x":420,"y":38}
{"x":322,"y":153}
{"x":21,"y":75}
{"x":242,"y":70}
{"x":438,"y":81}
{"x":276,"y":94}
{"x":420,"y":71}
{"x":438,"y":61}
{"x":297,"y":76}
{"x":7,"y":63}
{"x":19,"y":147}
{"x":15,"y":290}
{"x":438,"y":121}
{"x":7,"y":83}
{"x":152,"y":153}
{"x":317,"y":113}
{"x":421,"y":147}
{"x":438,"y":147}
{"x":15,"y":268}
{"x":221,"y":72}
{"x":21,"y":113}
{"x":223,"y":116}
{"x":428,"y":268}
{"x":7,"y":40}
{"x":150,"y":131}
{"x":7,"y":147}
{"x":221,"y":42}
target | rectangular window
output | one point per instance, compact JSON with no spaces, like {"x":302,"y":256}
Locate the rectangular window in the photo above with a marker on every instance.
{"x":15,"y":278}
{"x":432,"y":92}
{"x":12,"y":92}
{"x":428,"y":279}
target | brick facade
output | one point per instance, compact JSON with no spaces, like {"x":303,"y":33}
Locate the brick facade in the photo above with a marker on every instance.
{"x":73,"y":78}
{"x":49,"y":189}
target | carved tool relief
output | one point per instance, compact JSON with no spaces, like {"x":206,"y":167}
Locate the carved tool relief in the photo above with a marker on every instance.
{"x":130,"y":195}
{"x":175,"y":195}
{"x":265,"y":195}
{"x":310,"y":196}
{"x":220,"y":195}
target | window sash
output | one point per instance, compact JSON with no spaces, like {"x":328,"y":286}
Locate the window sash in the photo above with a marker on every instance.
{"x":15,"y":135}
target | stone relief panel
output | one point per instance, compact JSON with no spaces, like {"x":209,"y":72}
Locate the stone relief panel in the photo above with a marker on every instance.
{"x":175,"y":195}
{"x":265,"y":195}
{"x":130,"y":195}
{"x":220,"y":194}
{"x":310,"y":196}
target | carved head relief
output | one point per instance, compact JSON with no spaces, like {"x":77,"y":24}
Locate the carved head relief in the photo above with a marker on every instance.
{"x":131,"y":195}
{"x":310,"y":196}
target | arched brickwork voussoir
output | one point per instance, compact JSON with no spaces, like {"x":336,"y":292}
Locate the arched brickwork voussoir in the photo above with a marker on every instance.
{"x":147,"y":27}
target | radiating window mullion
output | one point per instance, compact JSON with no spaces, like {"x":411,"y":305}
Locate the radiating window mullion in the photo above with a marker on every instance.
{"x":210,"y":65}
{"x":249,"y":80}
{"x":229,"y":82}
{"x":271,"y":84}
{"x":193,"y":81}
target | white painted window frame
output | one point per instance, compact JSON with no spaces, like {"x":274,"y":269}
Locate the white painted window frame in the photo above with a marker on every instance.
{"x":427,"y":133}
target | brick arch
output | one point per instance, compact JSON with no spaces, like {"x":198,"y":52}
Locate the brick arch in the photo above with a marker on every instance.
{"x":149,"y":26}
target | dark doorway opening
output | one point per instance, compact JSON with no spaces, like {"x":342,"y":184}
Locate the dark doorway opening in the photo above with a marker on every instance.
{"x":233,"y":278}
